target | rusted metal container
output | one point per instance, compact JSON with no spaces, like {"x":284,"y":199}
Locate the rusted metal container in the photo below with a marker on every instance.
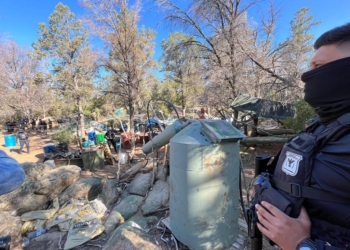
{"x":204,"y":179}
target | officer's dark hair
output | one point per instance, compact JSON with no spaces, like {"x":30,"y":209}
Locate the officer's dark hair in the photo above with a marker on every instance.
{"x":339,"y":35}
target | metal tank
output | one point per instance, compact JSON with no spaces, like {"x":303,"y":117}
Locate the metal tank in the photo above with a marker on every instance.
{"x":204,"y":184}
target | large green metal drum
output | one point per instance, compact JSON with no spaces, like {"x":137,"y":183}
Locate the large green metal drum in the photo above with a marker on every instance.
{"x":204,"y":184}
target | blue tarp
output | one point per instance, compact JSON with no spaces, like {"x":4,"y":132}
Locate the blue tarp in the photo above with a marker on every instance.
{"x":151,"y":121}
{"x":12,"y":174}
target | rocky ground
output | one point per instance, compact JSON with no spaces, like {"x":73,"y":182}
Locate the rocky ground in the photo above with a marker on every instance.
{"x":129,"y":201}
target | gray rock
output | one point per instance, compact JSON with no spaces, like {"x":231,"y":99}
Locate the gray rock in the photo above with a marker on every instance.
{"x":48,"y":241}
{"x":145,"y":223}
{"x":129,"y":206}
{"x":54,"y":182}
{"x":23,"y":200}
{"x":110,"y":192}
{"x":35,"y":170}
{"x":162,"y":173}
{"x":124,"y":194}
{"x":158,"y":197}
{"x":88,"y":188}
{"x":11,"y":225}
{"x":140,"y":184}
{"x":113,"y":220}
{"x":130,"y":236}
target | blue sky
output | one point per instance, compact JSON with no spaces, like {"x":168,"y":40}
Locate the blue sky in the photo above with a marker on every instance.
{"x":19,"y":18}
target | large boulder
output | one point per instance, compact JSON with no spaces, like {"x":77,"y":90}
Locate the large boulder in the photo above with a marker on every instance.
{"x":88,"y":188}
{"x":23,"y":199}
{"x":140,"y":184}
{"x":132,"y":236}
{"x":157,"y":198}
{"x":11,"y":226}
{"x":129,"y":206}
{"x":35,"y":170}
{"x":54,"y":182}
{"x":110,"y":192}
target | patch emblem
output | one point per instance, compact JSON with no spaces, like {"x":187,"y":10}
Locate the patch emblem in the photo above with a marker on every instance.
{"x":291,"y":163}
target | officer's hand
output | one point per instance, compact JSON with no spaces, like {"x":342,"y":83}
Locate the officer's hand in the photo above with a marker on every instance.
{"x":285,"y":231}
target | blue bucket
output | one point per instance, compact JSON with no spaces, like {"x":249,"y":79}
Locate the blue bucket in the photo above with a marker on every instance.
{"x":91,"y":142}
{"x":10,"y":141}
{"x":49,"y":147}
{"x":85,"y":144}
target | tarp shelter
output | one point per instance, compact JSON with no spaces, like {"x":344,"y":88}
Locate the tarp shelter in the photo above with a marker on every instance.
{"x":263,"y":108}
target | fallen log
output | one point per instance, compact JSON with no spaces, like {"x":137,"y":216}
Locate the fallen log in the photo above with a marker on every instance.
{"x":264,"y":140}
{"x":275,"y":131}
{"x":133,"y":170}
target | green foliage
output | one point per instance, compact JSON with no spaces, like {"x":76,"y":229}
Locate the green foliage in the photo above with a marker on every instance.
{"x":63,"y":136}
{"x":304,"y":112}
{"x":65,"y":41}
{"x":181,"y":64}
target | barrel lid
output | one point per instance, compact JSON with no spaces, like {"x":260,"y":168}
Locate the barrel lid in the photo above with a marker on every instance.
{"x":221,"y":131}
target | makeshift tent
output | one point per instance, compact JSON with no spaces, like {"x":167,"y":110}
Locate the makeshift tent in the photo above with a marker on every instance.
{"x":263,"y":108}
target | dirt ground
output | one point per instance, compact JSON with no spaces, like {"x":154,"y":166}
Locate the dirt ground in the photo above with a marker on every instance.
{"x":36,"y":142}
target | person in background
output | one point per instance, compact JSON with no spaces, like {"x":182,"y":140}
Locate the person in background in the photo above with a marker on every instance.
{"x":50,"y":124}
{"x":33,"y":124}
{"x":110,"y":137}
{"x":8,"y":125}
{"x":23,"y":137}
{"x":40,"y":125}
{"x":44,"y":124}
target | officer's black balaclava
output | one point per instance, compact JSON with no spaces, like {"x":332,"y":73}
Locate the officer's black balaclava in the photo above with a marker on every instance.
{"x":327,"y":89}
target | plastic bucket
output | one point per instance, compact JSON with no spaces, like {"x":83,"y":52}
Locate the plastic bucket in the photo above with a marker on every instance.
{"x":126,"y":140}
{"x":91,"y":142}
{"x":49,"y":147}
{"x":85,"y":144}
{"x":123,"y":158}
{"x":100,"y":138}
{"x":10,"y":141}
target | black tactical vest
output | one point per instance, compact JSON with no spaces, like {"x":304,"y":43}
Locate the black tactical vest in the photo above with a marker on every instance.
{"x":293,"y":170}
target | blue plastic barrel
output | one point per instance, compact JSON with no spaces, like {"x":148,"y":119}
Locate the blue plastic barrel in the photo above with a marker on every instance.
{"x":10,"y":141}
{"x":48,"y":147}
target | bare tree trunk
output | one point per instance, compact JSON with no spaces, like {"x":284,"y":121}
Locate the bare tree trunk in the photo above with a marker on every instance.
{"x":82,"y":123}
{"x":255,"y":125}
{"x":235,"y":117}
{"x":131,"y":122}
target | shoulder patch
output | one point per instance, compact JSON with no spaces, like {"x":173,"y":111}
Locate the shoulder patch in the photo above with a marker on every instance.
{"x":291,"y":163}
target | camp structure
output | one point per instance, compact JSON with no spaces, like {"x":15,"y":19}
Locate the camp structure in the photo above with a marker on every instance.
{"x":256,"y":107}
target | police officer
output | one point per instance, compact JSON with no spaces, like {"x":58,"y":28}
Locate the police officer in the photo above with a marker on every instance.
{"x":110,"y":137}
{"x":22,"y":136}
{"x":320,"y":220}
